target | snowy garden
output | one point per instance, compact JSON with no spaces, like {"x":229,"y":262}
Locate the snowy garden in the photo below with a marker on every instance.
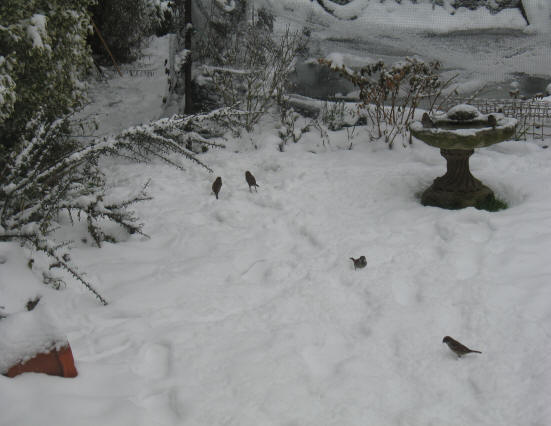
{"x":248,"y":308}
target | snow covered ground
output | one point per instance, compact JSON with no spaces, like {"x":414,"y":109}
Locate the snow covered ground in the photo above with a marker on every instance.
{"x":247,"y":310}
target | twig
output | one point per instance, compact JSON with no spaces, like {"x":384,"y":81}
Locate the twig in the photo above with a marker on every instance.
{"x":106,"y":47}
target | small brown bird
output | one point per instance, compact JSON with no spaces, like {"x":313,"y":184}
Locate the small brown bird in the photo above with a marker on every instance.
{"x":426,"y":121}
{"x":457,"y":347}
{"x":216,"y":186}
{"x":31,"y":304}
{"x":492,"y":121}
{"x":251,"y":180}
{"x":359,"y":263}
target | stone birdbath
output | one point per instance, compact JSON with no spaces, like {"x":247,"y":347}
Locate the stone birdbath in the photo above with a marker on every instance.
{"x":457,"y":133}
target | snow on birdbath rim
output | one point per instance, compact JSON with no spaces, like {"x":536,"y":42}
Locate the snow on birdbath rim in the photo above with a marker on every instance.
{"x":464,"y":127}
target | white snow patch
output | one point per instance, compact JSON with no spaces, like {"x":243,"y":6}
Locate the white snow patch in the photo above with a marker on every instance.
{"x":538,"y":13}
{"x":464,"y":108}
{"x":226,"y":5}
{"x":27,"y":333}
{"x":339,"y":59}
{"x":37,"y":31}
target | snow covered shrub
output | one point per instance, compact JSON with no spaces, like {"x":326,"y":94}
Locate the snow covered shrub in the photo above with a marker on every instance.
{"x":289,"y":130}
{"x":334,"y":115}
{"x":162,"y":17}
{"x":391,"y":95}
{"x":247,"y":65}
{"x":43,"y":55}
{"x":41,"y":177}
{"x":176,"y":135}
{"x":50,"y":175}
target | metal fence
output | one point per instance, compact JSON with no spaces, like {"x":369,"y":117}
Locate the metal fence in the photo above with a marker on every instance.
{"x":534,"y":116}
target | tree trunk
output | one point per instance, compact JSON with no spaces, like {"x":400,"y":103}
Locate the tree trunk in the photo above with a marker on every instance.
{"x":188,"y":29}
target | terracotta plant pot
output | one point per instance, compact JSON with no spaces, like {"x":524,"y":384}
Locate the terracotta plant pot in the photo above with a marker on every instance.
{"x":56,"y":362}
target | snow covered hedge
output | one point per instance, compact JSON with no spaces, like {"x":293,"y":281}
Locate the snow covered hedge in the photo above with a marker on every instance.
{"x":43,"y":54}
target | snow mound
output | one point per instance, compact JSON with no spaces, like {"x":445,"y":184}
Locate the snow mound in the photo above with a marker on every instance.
{"x":27,"y":333}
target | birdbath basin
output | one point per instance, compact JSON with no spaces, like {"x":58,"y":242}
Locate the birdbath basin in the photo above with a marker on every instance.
{"x":457,"y":133}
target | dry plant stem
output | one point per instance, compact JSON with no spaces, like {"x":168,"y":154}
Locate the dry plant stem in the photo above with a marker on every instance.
{"x":253,"y":69}
{"x":106,"y":47}
{"x":391,"y":95}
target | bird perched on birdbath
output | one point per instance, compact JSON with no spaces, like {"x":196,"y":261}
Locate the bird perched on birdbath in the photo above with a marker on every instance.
{"x":458,"y":348}
{"x":216,"y":186}
{"x":250,"y":180}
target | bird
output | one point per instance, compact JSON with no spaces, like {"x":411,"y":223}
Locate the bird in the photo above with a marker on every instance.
{"x":216,"y":186}
{"x":492,"y":121}
{"x":31,"y":304}
{"x":359,"y":263}
{"x":457,"y":347}
{"x":426,"y":121}
{"x":250,"y":180}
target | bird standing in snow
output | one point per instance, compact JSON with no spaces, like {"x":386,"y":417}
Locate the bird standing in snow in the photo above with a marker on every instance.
{"x":31,"y":304}
{"x":216,"y":186}
{"x":359,"y":263}
{"x":457,"y":347}
{"x":426,"y":121}
{"x":251,"y":180}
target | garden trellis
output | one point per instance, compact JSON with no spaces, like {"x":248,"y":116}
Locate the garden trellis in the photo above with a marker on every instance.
{"x":534,"y":116}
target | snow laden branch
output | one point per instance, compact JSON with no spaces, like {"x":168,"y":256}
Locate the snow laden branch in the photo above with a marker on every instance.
{"x":52,"y":176}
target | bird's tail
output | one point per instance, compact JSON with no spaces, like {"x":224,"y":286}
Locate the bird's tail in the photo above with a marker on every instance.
{"x":478,"y":352}
{"x":352,"y":259}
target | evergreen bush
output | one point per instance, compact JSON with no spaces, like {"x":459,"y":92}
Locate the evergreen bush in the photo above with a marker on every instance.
{"x":43,"y":55}
{"x":125,"y":26}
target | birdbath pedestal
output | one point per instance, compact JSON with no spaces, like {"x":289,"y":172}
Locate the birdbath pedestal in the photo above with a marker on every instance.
{"x":457,"y":133}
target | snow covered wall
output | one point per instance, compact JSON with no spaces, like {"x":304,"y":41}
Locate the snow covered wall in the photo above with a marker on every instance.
{"x":538,"y":13}
{"x":440,"y":16}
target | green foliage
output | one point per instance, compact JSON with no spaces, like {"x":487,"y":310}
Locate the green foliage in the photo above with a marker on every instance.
{"x":45,"y":56}
{"x":492,"y":204}
{"x":7,"y":88}
{"x":125,"y":26}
